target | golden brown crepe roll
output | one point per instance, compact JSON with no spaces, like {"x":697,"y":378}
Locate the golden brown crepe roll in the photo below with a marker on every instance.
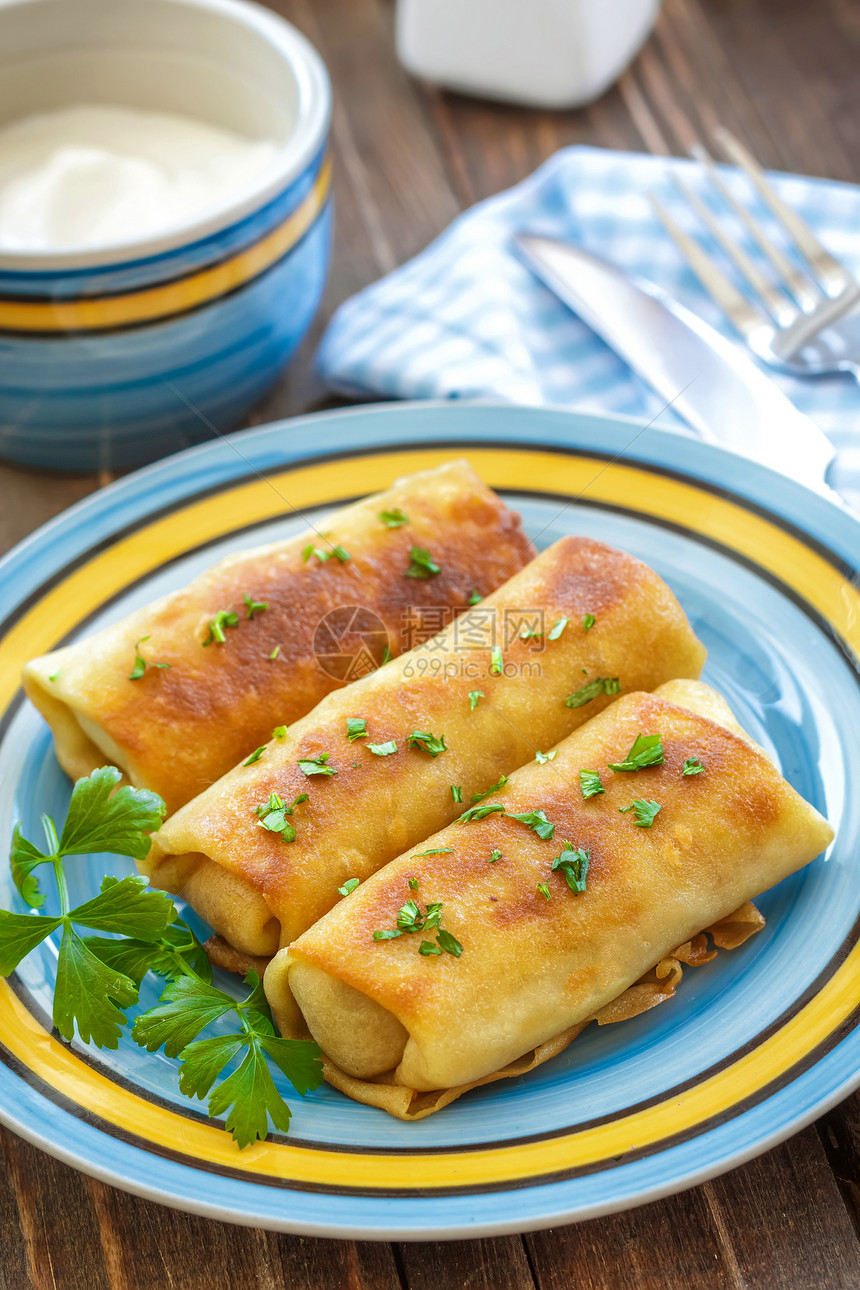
{"x":495,"y":696}
{"x":176,"y":729}
{"x":539,"y":959}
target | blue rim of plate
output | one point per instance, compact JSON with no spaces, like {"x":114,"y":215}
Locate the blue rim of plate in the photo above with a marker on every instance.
{"x":597,"y":445}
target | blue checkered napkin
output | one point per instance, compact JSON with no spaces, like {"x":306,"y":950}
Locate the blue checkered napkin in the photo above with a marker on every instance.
{"x":466,"y":319}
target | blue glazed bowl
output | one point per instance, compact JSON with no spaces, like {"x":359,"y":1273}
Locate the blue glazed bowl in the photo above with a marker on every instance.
{"x":115,"y":356}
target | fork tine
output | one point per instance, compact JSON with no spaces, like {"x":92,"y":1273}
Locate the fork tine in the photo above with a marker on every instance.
{"x":804,"y":290}
{"x":776,"y":304}
{"x":746,"y":317}
{"x":833,"y":276}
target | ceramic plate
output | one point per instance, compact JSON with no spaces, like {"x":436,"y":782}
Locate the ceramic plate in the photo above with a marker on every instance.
{"x":753,"y":1046}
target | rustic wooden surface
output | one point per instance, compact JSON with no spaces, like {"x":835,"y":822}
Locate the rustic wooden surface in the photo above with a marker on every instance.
{"x":783,"y":75}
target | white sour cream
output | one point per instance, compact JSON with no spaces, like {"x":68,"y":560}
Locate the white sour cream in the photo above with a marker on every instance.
{"x":98,"y":175}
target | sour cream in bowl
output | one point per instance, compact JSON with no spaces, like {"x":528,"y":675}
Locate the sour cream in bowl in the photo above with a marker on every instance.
{"x":164,"y":221}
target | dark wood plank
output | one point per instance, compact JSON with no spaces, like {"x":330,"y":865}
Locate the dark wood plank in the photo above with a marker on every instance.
{"x":171,"y":1248}
{"x":467,"y":1265}
{"x":785,"y":1221}
{"x":56,"y":1221}
{"x":673,"y":1244}
{"x":839,"y":1132}
{"x":14,"y":1267}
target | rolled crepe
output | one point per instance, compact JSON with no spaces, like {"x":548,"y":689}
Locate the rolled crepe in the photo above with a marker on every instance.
{"x":540,"y":959}
{"x":493,"y":689}
{"x":175,"y":729}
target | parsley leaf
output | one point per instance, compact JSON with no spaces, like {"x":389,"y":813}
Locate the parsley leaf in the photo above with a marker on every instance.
{"x":543,"y":888}
{"x":494,"y":856}
{"x":542,"y":758}
{"x":388,"y":935}
{"x":395,"y":518}
{"x":414,"y":884}
{"x":19,"y":934}
{"x":428,"y":947}
{"x":316,"y":765}
{"x":432,"y":744}
{"x":349,"y":886}
{"x":255,"y":755}
{"x":557,"y":628}
{"x":588,"y":622}
{"x":321,"y":555}
{"x":101,"y":819}
{"x":186,"y":1007}
{"x":275,"y":652}
{"x":223,"y":618}
{"x":600,"y":685}
{"x":474,"y":696}
{"x":279,"y":732}
{"x":646,"y":812}
{"x":456,"y":792}
{"x":254,"y":606}
{"x":497,"y":662}
{"x":356,"y":728}
{"x":273,"y":815}
{"x":692,"y":766}
{"x":479,"y":812}
{"x":573,"y":863}
{"x":435,"y":851}
{"x":140,"y":664}
{"x":590,"y":784}
{"x":535,"y":820}
{"x":499,"y":784}
{"x":89,"y":994}
{"x":475,"y":598}
{"x":383,"y":750}
{"x":646,"y":750}
{"x":421,"y":564}
{"x":449,"y":943}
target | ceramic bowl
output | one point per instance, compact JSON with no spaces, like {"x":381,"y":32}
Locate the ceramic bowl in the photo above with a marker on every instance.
{"x":114,"y":356}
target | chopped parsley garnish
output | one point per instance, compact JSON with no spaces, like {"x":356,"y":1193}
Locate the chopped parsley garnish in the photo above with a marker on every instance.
{"x":646,"y":750}
{"x":341,"y":554}
{"x":557,"y":628}
{"x":255,"y":755}
{"x":479,"y":812}
{"x":645,"y":812}
{"x":386,"y":656}
{"x":573,"y":863}
{"x":474,"y":696}
{"x":254,"y":606}
{"x":475,"y":598}
{"x":543,"y":888}
{"x":349,"y":886}
{"x":395,"y":518}
{"x":600,"y":685}
{"x":273,"y":815}
{"x":275,"y":652}
{"x":500,"y":783}
{"x":140,"y":663}
{"x":414,"y":884}
{"x":589,"y":783}
{"x":456,"y":792}
{"x":422,"y":564}
{"x":535,"y":820}
{"x":432,"y":744}
{"x":279,"y":732}
{"x":528,"y":635}
{"x":382,"y":750}
{"x":356,"y":728}
{"x":54,"y":675}
{"x":542,"y":758}
{"x":310,"y":550}
{"x":449,"y":943}
{"x":316,"y":765}
{"x":692,"y":766}
{"x":427,"y":947}
{"x":434,"y":851}
{"x":497,"y":663}
{"x":223,"y":618}
{"x":588,"y":622}
{"x":494,"y":856}
{"x":388,"y":935}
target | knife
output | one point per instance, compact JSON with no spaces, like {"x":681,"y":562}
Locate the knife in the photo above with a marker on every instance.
{"x":718,"y":391}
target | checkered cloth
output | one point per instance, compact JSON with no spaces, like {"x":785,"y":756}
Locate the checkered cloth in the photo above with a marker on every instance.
{"x":467,"y":319}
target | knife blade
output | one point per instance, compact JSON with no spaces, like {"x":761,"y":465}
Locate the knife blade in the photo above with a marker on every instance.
{"x":718,"y":391}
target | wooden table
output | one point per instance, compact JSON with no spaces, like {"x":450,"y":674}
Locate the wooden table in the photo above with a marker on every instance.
{"x":783,"y":74}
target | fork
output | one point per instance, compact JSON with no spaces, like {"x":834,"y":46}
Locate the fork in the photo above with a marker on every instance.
{"x":804,"y":322}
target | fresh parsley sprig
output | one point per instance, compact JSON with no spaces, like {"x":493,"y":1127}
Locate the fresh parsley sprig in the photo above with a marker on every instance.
{"x":248,"y":1095}
{"x":646,"y":750}
{"x":600,"y":685}
{"x":99,"y":976}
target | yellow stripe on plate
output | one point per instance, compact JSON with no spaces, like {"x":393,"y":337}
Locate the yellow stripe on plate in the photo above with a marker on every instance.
{"x":102,"y":313}
{"x":801,"y":568}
